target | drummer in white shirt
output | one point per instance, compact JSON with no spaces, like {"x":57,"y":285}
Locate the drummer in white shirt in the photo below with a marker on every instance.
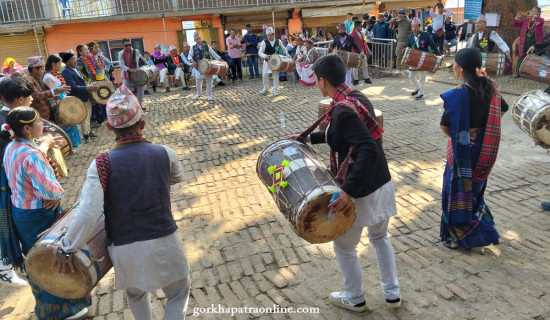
{"x":270,"y":46}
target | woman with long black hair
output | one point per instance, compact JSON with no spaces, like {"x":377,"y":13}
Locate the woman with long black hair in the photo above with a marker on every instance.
{"x":472,"y":122}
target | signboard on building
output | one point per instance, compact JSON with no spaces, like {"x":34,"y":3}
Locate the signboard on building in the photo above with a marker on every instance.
{"x":472,"y":9}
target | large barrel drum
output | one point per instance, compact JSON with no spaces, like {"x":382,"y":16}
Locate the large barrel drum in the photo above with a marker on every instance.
{"x":91,"y":263}
{"x":302,"y":189}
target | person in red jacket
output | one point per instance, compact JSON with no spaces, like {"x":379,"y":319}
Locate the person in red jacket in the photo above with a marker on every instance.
{"x":359,"y":38}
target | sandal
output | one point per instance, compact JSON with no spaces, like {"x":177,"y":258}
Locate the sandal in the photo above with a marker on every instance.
{"x":450,"y":245}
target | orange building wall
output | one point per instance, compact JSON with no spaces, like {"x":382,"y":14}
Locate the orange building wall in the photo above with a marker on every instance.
{"x":295,"y":24}
{"x":63,"y":37}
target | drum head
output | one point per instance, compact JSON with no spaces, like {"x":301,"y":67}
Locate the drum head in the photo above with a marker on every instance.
{"x":139,"y":78}
{"x":70,"y":111}
{"x":73,"y":285}
{"x":106,"y":90}
{"x":50,"y":127}
{"x":204,"y":66}
{"x":275,"y":62}
{"x":313,"y":224}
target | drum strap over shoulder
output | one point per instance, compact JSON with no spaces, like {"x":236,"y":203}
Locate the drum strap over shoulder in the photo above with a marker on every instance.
{"x":103,"y":165}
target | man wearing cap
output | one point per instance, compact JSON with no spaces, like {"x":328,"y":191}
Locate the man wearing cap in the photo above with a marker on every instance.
{"x":421,"y":41}
{"x":485,"y":40}
{"x":75,"y":79}
{"x":300,"y":51}
{"x":198,"y":52}
{"x":438,"y":21}
{"x":403,"y":24}
{"x":143,"y":244}
{"x":250,"y":40}
{"x":268,"y":47}
{"x":289,"y":48}
{"x":41,"y":97}
{"x":176,"y":67}
{"x":130,"y":60}
{"x":361,"y":42}
{"x":343,"y":41}
{"x":160,"y":62}
{"x":304,"y":66}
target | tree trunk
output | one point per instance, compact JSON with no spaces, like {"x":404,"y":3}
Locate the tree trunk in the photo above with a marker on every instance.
{"x":508,"y":10}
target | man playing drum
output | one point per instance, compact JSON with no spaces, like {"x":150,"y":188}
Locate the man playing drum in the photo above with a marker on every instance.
{"x":421,"y":41}
{"x":270,"y":46}
{"x":129,"y":60}
{"x":41,"y":95}
{"x":144,"y":247}
{"x":342,"y":41}
{"x":485,"y":41}
{"x":354,"y":134}
{"x":361,"y":41}
{"x":198,"y":52}
{"x":75,"y":79}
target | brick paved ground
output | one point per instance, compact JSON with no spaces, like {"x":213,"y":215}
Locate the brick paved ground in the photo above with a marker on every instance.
{"x":243,"y":252}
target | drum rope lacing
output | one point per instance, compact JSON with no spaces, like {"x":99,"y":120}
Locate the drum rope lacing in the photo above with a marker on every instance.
{"x":293,"y":212}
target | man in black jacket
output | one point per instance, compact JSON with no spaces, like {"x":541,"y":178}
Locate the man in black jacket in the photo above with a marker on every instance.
{"x":79,"y":89}
{"x":345,"y":42}
{"x":353,"y":130}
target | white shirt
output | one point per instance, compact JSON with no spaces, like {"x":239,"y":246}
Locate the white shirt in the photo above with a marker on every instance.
{"x":493,"y":36}
{"x":184,"y":59}
{"x":212,"y":52}
{"x":262,"y":48}
{"x":439,"y":19}
{"x":51,"y":81}
{"x":92,"y":200}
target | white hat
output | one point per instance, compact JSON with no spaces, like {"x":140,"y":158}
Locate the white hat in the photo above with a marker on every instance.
{"x":269,"y":30}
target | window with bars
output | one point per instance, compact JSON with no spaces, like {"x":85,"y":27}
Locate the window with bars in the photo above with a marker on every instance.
{"x":111,"y":48}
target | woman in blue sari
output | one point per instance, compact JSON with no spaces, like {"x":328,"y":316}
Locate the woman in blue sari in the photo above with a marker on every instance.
{"x":35,"y":197}
{"x":472,"y":122}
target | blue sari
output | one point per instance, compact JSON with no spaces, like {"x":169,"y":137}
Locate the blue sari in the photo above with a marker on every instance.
{"x":466,"y":218}
{"x":29,"y":224}
{"x":74,"y":135}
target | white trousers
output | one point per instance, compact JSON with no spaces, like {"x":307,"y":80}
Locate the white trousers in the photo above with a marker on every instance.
{"x":199,"y":78}
{"x":346,"y":254}
{"x":265,"y":77}
{"x":163,"y":77}
{"x":177,"y":295}
{"x":348,"y":76}
{"x":180,"y":75}
{"x":364,"y":69}
{"x":418,"y":80}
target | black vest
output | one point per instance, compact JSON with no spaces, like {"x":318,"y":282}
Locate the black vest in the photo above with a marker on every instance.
{"x":137,"y":197}
{"x":485,"y":44}
{"x":269,"y":49}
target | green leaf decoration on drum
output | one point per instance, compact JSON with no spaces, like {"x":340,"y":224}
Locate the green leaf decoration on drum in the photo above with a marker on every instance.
{"x":278,"y":176}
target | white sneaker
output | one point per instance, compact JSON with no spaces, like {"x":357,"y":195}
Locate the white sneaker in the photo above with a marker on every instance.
{"x":80,"y":315}
{"x":195,"y":97}
{"x":264,"y":91}
{"x":275,"y":92}
{"x":340,"y":300}
{"x":393,"y":304}
{"x":209,"y":98}
{"x":11,"y":279}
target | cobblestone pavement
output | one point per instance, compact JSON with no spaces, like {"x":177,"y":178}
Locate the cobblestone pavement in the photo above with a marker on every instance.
{"x":243,"y":252}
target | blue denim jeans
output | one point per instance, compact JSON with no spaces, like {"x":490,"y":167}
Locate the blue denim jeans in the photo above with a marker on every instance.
{"x":252,"y":65}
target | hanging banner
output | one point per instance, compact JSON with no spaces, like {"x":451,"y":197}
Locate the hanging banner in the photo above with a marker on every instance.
{"x":472,"y":9}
